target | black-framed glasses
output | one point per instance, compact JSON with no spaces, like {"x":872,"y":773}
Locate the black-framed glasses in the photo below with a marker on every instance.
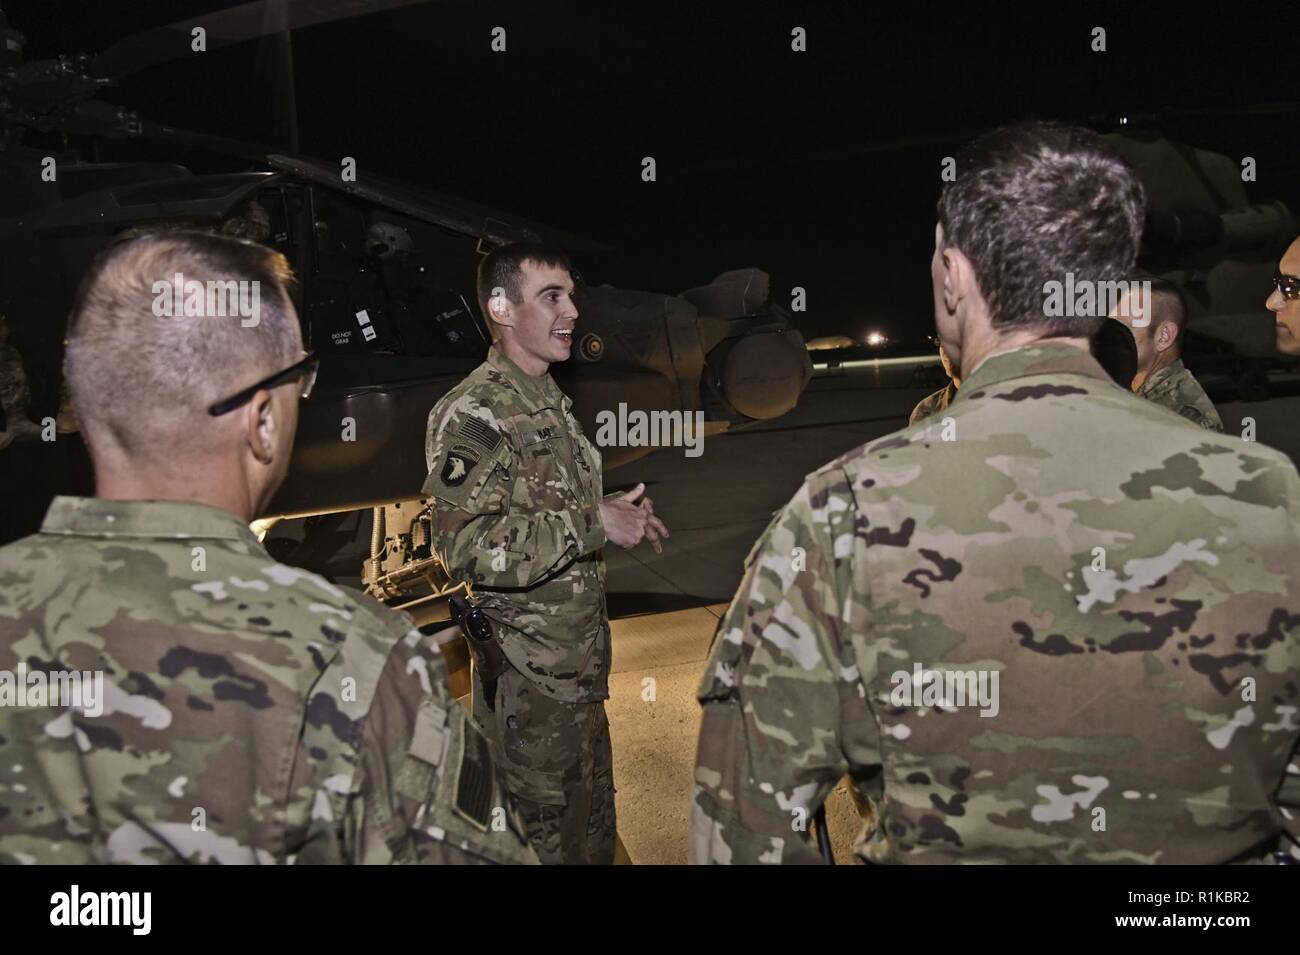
{"x":305,"y":369}
{"x":1288,"y":285}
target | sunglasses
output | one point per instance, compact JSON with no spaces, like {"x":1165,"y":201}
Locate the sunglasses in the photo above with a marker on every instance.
{"x":305,"y":369}
{"x":1288,"y":285}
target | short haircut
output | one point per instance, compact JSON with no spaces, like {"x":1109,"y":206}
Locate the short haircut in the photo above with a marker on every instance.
{"x":502,"y":268}
{"x":1167,"y":304}
{"x":1032,"y":202}
{"x":145,"y":378}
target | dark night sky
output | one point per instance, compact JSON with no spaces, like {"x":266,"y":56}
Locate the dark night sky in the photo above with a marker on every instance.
{"x":765,"y":157}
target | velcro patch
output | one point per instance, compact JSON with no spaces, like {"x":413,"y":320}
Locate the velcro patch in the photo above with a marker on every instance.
{"x":429,"y":739}
{"x":479,"y":432}
{"x":459,"y":462}
{"x":475,"y":786}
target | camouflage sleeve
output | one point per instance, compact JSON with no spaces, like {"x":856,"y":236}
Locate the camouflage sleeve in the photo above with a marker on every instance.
{"x":482,"y":532}
{"x":1199,"y":416}
{"x":924,"y":408}
{"x":783,"y":714}
{"x":423,"y":789}
{"x":1288,"y":793}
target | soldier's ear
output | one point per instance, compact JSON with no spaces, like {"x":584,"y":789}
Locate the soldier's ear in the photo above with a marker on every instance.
{"x":499,"y":303}
{"x":498,"y":310}
{"x":958,"y":278}
{"x":260,"y":426}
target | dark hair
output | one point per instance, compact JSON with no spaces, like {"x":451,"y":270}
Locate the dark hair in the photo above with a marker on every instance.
{"x":1167,"y":304}
{"x":1034,"y":201}
{"x":502,"y":268}
{"x":1116,"y":351}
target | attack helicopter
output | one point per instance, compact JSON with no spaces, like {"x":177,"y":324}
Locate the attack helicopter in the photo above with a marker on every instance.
{"x":384,"y":293}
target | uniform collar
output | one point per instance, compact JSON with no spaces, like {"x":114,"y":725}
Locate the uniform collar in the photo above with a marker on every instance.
{"x":1162,"y":374}
{"x":94,"y":517}
{"x":537,"y":390}
{"x":1037,"y":359}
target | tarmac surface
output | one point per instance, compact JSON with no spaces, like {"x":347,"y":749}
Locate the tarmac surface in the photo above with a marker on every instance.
{"x":654,"y":723}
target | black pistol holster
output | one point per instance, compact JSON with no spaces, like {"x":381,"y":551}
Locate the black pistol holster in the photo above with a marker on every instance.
{"x":489,"y":659}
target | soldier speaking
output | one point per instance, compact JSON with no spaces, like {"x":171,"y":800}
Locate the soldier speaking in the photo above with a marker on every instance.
{"x":519,"y":516}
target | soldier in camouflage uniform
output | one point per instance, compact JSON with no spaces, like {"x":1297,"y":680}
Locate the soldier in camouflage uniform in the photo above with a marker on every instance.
{"x":941,"y":399}
{"x":1087,"y":653}
{"x":519,"y":515}
{"x":250,"y":712}
{"x":1162,"y":378}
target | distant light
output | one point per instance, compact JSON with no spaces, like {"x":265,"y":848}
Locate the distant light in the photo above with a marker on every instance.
{"x":1123,"y":120}
{"x":876,"y":339}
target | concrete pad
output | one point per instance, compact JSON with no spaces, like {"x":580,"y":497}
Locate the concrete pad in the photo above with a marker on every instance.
{"x":649,"y":642}
{"x":654,"y":723}
{"x":655,"y":727}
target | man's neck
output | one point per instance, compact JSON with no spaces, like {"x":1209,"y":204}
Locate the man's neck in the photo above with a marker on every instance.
{"x":224,"y":492}
{"x":986,"y":347}
{"x":528,"y":364}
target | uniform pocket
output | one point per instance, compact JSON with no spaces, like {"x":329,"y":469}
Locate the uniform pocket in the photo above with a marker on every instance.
{"x":534,"y":785}
{"x":535,"y":748}
{"x":461,"y":800}
{"x":548,"y":458}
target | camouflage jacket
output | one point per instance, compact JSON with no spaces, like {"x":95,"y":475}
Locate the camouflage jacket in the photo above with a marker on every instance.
{"x":1175,"y":388}
{"x":250,"y":712}
{"x":517,"y":489}
{"x":933,"y":404}
{"x":1071,"y":634}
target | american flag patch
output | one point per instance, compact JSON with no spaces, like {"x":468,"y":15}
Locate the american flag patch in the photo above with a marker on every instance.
{"x":479,"y":432}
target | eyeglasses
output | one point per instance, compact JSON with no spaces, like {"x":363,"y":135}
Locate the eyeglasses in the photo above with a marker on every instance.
{"x":1288,"y":285}
{"x":305,"y":369}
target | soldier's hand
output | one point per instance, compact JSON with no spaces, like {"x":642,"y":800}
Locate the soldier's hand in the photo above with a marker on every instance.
{"x":625,"y":520}
{"x":654,"y":527}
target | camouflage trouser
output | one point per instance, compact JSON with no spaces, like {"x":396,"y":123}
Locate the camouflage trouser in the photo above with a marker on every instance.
{"x":559,"y":768}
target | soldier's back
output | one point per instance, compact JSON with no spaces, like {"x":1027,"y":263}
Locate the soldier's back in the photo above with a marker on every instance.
{"x":1134,"y":584}
{"x":251,"y":711}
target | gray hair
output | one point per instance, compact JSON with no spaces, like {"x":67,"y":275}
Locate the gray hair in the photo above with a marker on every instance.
{"x":162,"y":328}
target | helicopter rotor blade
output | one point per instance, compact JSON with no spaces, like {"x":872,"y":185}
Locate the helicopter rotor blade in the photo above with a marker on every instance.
{"x":248,"y":21}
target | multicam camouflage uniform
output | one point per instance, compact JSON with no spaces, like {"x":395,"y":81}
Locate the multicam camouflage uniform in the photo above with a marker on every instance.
{"x":933,"y":404}
{"x":1123,"y":596}
{"x":1175,"y":388}
{"x":252,"y":712}
{"x":517,"y":488}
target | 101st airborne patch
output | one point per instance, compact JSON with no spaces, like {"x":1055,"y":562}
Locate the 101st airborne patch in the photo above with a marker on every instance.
{"x":462,"y":458}
{"x":460,"y":461}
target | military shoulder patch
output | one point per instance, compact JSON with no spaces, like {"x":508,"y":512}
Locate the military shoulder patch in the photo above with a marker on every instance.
{"x":459,"y":462}
{"x":479,"y":432}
